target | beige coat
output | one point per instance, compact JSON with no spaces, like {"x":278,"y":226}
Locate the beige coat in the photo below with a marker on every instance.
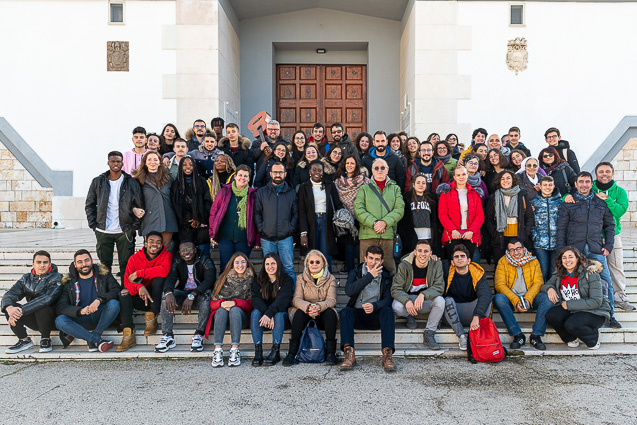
{"x":306,"y":292}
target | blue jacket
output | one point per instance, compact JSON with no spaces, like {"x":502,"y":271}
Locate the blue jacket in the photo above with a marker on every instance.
{"x":544,"y":233}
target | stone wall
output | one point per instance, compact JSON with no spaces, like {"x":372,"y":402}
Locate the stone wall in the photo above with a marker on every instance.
{"x":23,"y":202}
{"x":625,"y":163}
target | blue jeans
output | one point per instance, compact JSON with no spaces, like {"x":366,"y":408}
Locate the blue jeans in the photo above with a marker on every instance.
{"x":476,"y":258}
{"x":257,"y":330}
{"x":541,"y":304}
{"x":285,"y":249}
{"x":605,"y":275}
{"x":321,"y":238}
{"x":547,"y":262}
{"x":79,"y":327}
{"x":228,"y":248}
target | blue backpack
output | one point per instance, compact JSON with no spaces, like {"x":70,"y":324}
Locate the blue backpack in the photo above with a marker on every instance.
{"x":312,"y":345}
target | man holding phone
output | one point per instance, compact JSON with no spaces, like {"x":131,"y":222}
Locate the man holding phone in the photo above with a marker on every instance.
{"x":518,"y":280}
{"x":146,"y":269}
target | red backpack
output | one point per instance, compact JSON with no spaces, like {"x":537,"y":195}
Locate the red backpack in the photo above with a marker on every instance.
{"x":484,"y":343}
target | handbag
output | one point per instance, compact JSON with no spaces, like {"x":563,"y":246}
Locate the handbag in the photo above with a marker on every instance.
{"x":398,"y":243}
{"x":339,"y":231}
{"x":312,"y":345}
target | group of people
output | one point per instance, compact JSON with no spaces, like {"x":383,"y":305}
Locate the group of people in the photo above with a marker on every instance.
{"x":420,"y":216}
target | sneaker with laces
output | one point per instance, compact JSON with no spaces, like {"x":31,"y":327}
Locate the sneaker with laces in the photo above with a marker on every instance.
{"x":92,"y":347}
{"x":536,"y":342}
{"x":235,"y":357}
{"x":21,"y":345}
{"x":518,"y":341}
{"x":462,"y":342}
{"x":613,"y":323}
{"x":217,"y":357}
{"x":45,"y":345}
{"x":596,"y":346}
{"x":166,"y":343}
{"x":197,"y":343}
{"x":624,"y":305}
{"x":103,"y":346}
{"x":573,"y":344}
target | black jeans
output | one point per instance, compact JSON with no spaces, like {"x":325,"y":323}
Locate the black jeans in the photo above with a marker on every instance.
{"x":129,"y":302}
{"x":326,"y":320}
{"x":42,"y":321}
{"x":572,"y":325}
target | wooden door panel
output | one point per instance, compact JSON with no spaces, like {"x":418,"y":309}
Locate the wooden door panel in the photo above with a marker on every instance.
{"x":287,"y":73}
{"x":288,"y":131}
{"x":333,"y":91}
{"x":308,"y":91}
{"x":308,"y":115}
{"x":354,"y":92}
{"x":307,"y":72}
{"x":333,"y":73}
{"x":288,"y":91}
{"x":287,"y":116}
{"x":354,"y":72}
{"x":354,"y":115}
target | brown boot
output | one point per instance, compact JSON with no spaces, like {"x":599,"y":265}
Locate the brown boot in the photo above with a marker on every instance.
{"x":388,"y":363}
{"x":128,"y":341}
{"x":151,"y":324}
{"x":350,"y":358}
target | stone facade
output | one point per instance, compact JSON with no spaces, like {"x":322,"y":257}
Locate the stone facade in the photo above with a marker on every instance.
{"x":625,"y":163}
{"x":23,"y":202}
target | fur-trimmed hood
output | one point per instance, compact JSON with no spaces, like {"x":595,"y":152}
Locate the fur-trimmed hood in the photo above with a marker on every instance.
{"x":244,"y":142}
{"x":72,"y":275}
{"x":594,"y":267}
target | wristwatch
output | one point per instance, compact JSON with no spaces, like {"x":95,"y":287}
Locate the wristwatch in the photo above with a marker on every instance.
{"x":191,"y":297}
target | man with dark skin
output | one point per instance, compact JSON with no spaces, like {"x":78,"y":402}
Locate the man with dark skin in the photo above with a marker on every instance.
{"x":217,"y":127}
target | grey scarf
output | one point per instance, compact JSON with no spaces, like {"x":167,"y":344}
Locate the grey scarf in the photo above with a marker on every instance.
{"x":474,"y":180}
{"x":501,"y":209}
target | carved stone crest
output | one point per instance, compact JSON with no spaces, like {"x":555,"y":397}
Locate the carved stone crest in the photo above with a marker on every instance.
{"x":117,"y":55}
{"x":517,"y":56}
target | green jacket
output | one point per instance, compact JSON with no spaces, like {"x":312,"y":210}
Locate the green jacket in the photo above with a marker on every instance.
{"x":368,"y":209}
{"x":617,"y":203}
{"x":405,"y":276}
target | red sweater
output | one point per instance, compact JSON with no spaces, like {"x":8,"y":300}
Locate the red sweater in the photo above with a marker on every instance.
{"x":451,"y":218}
{"x":146,"y":269}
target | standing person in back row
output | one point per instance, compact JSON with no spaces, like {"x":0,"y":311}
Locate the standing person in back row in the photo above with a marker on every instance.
{"x":342,"y":140}
{"x":109,"y":211}
{"x":378,"y":207}
{"x":261,"y":148}
{"x":133,"y":158}
{"x":381,"y":151}
{"x":616,"y":198}
{"x":554,"y":139}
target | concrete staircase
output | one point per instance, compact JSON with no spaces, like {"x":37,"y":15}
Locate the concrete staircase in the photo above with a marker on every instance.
{"x":15,"y":262}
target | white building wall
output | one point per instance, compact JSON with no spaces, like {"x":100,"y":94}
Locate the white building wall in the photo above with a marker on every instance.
{"x":580,"y":77}
{"x":408,"y":69}
{"x":229,"y":70}
{"x":56,"y":91}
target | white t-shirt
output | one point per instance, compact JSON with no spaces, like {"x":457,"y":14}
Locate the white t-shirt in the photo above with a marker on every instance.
{"x":112,"y":212}
{"x":464,"y":208}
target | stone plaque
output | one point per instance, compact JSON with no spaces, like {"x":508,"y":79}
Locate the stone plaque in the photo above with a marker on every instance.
{"x":517,"y":56}
{"x":117,"y":56}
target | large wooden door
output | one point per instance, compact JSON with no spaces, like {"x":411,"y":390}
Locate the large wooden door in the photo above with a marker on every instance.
{"x":307,"y":94}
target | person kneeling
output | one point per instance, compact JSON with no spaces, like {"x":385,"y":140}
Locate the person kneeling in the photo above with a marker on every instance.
{"x":518,"y":279}
{"x":188,"y":285}
{"x":418,"y":287}
{"x":468,"y":295}
{"x":369,"y":307}
{"x":88,"y":303}
{"x":271,"y":296}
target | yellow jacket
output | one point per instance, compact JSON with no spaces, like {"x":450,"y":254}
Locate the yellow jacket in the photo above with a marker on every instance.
{"x":506,"y":275}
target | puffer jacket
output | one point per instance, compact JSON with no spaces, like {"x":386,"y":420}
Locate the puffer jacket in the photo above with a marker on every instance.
{"x":480,"y":286}
{"x":544,"y":233}
{"x":205,"y":160}
{"x":204,"y":273}
{"x":356,"y":282}
{"x":519,"y":146}
{"x":564,"y":146}
{"x":450,"y":216}
{"x":589,"y":284}
{"x":242,"y":155}
{"x":579,"y":224}
{"x":39,"y":291}
{"x":96,"y":205}
{"x":107,"y":289}
{"x":306,"y":292}
{"x":368,"y":209}
{"x":404,"y":279}
{"x":507,"y":274}
{"x":276,"y":214}
{"x":347,"y":146}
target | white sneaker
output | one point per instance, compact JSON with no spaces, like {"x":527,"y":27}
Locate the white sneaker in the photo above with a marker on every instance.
{"x":596,"y":346}
{"x":573,"y":344}
{"x":166,"y":343}
{"x":217,"y":358}
{"x":462,"y":342}
{"x":235,"y":357}
{"x":197,"y":343}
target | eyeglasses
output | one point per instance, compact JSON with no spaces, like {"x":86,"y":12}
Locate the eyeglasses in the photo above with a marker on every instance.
{"x":185,"y":250}
{"x":282,"y":150}
{"x":337,"y":131}
{"x":518,"y":249}
{"x":273,"y":129}
{"x":200,"y":126}
{"x":382,"y":168}
{"x":548,"y":155}
{"x":473,"y":163}
{"x":427,"y":150}
{"x":315,"y":262}
{"x":554,"y":136}
{"x":531,"y":165}
{"x":240,"y":262}
{"x":452,"y":139}
{"x":337,"y":153}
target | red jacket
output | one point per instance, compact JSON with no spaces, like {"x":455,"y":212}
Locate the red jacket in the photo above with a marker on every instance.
{"x":146,"y":269}
{"x":451,"y":218}
{"x":245,"y":305}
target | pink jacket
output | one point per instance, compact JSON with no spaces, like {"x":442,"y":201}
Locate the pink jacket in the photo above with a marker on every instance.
{"x":132,"y":161}
{"x":218,"y":211}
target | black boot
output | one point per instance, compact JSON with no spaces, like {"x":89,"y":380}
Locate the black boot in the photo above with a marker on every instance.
{"x":330,"y":352}
{"x":289,"y":359}
{"x":274,"y":357}
{"x":258,"y":355}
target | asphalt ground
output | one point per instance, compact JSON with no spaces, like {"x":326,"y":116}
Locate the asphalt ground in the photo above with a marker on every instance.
{"x":551,"y":390}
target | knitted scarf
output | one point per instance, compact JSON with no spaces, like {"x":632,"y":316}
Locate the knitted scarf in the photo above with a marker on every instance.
{"x":242,"y":195}
{"x":347,"y":188}
{"x":522,"y":261}
{"x":586,"y":198}
{"x":443,"y":159}
{"x":236,"y":286}
{"x":501,"y":209}
{"x":474,"y":180}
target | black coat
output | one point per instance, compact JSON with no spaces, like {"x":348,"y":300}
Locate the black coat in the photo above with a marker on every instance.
{"x":263,"y":172}
{"x":526,"y":221}
{"x":198,"y":209}
{"x":204,"y":272}
{"x":406,"y":226}
{"x":270,"y":307}
{"x":579,"y":224}
{"x":571,"y":158}
{"x":107,"y":289}
{"x":257,"y":154}
{"x":565,"y":186}
{"x":242,"y":155}
{"x":276,"y":215}
{"x":356,"y":282}
{"x":40,"y":291}
{"x":301,"y":175}
{"x":307,"y":214}
{"x":130,"y":196}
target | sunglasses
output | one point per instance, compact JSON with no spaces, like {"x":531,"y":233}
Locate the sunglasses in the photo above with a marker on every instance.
{"x":548,"y":155}
{"x":531,"y":165}
{"x":382,"y":168}
{"x":315,"y":262}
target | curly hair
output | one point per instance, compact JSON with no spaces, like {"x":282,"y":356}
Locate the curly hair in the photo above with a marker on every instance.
{"x":497,"y":184}
{"x":581,"y":261}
